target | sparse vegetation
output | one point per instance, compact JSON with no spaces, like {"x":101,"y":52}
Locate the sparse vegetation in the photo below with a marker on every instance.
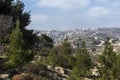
{"x":28,"y":56}
{"x":110,"y":68}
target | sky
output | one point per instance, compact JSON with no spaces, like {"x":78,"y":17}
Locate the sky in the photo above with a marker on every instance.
{"x":73,"y":14}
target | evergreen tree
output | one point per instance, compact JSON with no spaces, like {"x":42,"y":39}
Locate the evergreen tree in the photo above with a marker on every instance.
{"x":110,"y":62}
{"x":83,"y":60}
{"x":61,"y":56}
{"x":15,"y":8}
{"x":75,"y":74}
{"x":66,"y":49}
{"x":82,"y":64}
{"x":17,"y":51}
{"x":5,"y":6}
{"x":53,"y":57}
{"x":46,"y":41}
{"x":65,"y":58}
{"x":43,"y":44}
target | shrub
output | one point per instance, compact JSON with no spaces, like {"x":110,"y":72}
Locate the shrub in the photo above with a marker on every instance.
{"x":32,"y":68}
{"x":22,"y":77}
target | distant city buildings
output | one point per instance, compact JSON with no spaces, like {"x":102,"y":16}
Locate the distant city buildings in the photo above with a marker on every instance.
{"x":93,"y":38}
{"x":89,"y":35}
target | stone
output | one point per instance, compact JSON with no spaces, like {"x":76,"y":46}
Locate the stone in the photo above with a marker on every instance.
{"x":95,"y":72}
{"x":50,"y":67}
{"x":4,"y":76}
{"x":59,"y":70}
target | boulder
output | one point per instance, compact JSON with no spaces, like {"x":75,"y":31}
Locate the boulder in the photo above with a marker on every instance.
{"x":50,"y":67}
{"x":4,"y":76}
{"x":95,"y":72}
{"x":59,"y":70}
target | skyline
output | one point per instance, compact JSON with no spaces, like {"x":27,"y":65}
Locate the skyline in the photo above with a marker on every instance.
{"x":72,"y":14}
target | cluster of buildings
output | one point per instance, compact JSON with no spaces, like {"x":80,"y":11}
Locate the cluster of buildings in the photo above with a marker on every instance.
{"x":92,"y":37}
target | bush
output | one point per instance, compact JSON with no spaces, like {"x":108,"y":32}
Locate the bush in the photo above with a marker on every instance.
{"x":22,"y":77}
{"x":66,"y":61}
{"x":34,"y":68}
{"x":53,"y":58}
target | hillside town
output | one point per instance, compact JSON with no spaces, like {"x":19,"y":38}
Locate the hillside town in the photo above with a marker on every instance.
{"x":75,"y":54}
{"x":93,"y":37}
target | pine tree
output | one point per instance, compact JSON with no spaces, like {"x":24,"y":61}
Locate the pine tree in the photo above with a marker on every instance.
{"x":83,"y":60}
{"x":75,"y":74}
{"x":110,"y":62}
{"x":17,"y":51}
{"x":14,"y":9}
{"x":53,"y":57}
{"x":66,"y":49}
{"x":66,"y":57}
{"x":82,"y":64}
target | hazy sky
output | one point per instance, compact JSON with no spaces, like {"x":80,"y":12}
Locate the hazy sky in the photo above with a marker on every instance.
{"x":71,"y":14}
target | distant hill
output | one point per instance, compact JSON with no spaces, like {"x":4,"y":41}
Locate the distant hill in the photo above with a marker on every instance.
{"x":90,"y":35}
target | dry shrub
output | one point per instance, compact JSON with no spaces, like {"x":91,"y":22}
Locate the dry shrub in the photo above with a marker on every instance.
{"x":22,"y":77}
{"x":32,"y":68}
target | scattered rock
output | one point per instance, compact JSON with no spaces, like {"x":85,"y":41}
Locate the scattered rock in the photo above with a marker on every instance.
{"x":4,"y":76}
{"x":50,"y":67}
{"x":95,"y":72}
{"x":59,"y":70}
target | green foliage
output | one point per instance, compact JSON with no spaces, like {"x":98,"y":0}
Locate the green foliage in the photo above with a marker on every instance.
{"x":110,"y":62}
{"x":33,"y":68}
{"x":47,"y":41}
{"x":66,"y":61}
{"x":56,"y":58}
{"x":5,"y":6}
{"x":61,"y":57}
{"x":75,"y":74}
{"x":43,"y":42}
{"x":66,"y":49}
{"x":83,"y":60}
{"x":65,"y":58}
{"x":82,"y":64}
{"x":15,"y":9}
{"x":53,"y":58}
{"x":4,"y":39}
{"x":17,"y":51}
{"x":16,"y":38}
{"x":43,"y":78}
